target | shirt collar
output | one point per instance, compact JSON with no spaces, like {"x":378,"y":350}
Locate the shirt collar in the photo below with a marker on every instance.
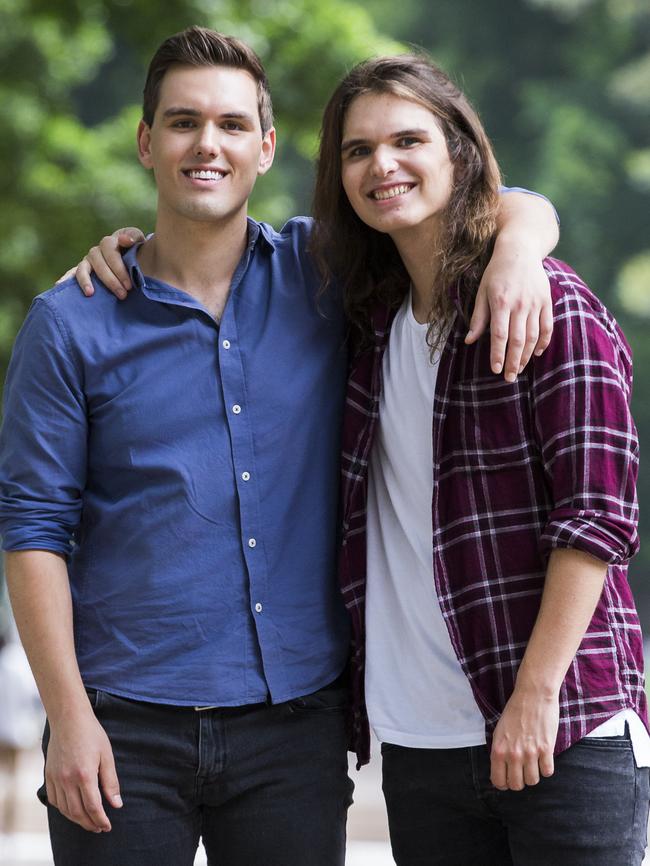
{"x":260,"y":231}
{"x":257,"y":233}
{"x":130,"y":259}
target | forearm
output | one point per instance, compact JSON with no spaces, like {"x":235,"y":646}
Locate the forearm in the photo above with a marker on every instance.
{"x":39,"y":590}
{"x":79,"y":755}
{"x":573,"y":586}
{"x":526,"y":225}
{"x":523,"y":741}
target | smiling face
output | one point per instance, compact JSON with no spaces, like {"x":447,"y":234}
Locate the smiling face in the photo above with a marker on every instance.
{"x":395,"y":165}
{"x":205,"y":145}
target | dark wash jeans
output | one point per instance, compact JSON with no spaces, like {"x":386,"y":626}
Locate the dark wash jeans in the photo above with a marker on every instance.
{"x":443,"y":810}
{"x":260,"y":785}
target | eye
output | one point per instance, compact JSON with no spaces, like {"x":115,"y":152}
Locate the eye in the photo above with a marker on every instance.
{"x":232,"y":125}
{"x":359,"y":150}
{"x":407,"y":141}
{"x":183,"y":124}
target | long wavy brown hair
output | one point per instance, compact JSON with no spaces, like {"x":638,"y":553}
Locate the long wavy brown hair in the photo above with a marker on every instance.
{"x":364,"y":261}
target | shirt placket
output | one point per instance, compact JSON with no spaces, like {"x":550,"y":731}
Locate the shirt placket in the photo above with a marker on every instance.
{"x":240,"y":426}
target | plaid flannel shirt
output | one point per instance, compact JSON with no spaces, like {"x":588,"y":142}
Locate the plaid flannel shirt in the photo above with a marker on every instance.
{"x":549,"y":461}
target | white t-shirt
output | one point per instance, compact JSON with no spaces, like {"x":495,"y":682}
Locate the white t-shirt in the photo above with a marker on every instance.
{"x":417,"y":694}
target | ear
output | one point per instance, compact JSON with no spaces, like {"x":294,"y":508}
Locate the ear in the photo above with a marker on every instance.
{"x":144,"y":144}
{"x":268,"y":152}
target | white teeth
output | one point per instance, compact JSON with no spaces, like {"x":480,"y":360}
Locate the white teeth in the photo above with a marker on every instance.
{"x":380,"y":194}
{"x":205,"y":175}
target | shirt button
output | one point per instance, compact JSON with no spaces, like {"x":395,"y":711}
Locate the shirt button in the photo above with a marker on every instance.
{"x":251,"y":542}
{"x":258,"y":607}
{"x":226,"y":344}
{"x":236,"y":408}
{"x":246,"y":476}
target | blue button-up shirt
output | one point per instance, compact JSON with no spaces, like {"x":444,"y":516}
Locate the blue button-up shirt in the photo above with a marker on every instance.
{"x":188,"y":470}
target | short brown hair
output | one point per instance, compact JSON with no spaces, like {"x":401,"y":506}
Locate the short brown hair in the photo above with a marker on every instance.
{"x":198,"y":46}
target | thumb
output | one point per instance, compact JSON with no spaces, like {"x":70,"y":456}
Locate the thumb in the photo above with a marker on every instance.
{"x":108,"y":780}
{"x":128,"y":236}
{"x":480,"y":318}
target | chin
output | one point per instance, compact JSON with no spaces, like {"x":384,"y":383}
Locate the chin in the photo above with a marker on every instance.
{"x":204,"y":214}
{"x":396,"y":225}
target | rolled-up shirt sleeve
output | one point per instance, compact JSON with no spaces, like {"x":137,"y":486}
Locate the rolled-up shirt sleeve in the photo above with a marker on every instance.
{"x":43,"y":442}
{"x":581,"y":389}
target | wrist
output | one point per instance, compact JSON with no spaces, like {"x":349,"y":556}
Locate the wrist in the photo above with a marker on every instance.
{"x":69,"y":709}
{"x":513,"y":243}
{"x":543,"y":685}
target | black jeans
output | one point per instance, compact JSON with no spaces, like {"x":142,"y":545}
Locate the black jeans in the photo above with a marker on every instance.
{"x":443,"y":810}
{"x":260,"y":785}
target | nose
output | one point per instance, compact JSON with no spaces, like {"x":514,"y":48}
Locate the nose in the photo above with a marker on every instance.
{"x":207,"y":144}
{"x":383,"y":162}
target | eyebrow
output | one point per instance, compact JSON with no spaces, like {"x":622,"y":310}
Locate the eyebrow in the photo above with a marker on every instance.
{"x":175,"y":110}
{"x":355,"y":142}
{"x":179,"y":110}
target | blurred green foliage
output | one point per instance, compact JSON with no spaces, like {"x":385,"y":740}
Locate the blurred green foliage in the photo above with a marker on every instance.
{"x":563,"y":87}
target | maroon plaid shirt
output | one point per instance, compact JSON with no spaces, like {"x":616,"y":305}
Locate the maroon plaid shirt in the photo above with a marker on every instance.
{"x":519,"y":469}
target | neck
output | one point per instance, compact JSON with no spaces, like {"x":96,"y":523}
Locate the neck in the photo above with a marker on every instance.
{"x":419,"y":251}
{"x":198,"y":257}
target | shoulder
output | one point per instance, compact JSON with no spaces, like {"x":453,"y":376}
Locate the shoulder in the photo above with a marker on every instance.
{"x":292,"y":238}
{"x":294,"y":263}
{"x":297,"y":227}
{"x":572,"y":296}
{"x":67,"y":295}
{"x":582,"y":323}
{"x":66,"y":304}
{"x":570,"y":292}
{"x":62,"y":321}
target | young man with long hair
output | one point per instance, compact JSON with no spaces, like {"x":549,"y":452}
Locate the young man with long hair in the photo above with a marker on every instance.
{"x":486,"y":524}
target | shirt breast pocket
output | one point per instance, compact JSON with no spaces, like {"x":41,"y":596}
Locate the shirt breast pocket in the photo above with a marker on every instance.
{"x":489,"y":441}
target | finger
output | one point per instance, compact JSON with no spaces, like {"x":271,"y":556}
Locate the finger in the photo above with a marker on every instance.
{"x":531,"y":769}
{"x":108,"y":780}
{"x":66,"y":276}
{"x":111,"y":249}
{"x":498,"y":775}
{"x":480,"y":318}
{"x":76,"y":811}
{"x":546,"y":763}
{"x":532,"y":336}
{"x":499,"y":326}
{"x":545,"y":328}
{"x":515,"y":773}
{"x":516,"y":343}
{"x":62,"y":801}
{"x":51,"y":794}
{"x":82,"y":274}
{"x":102,"y":269}
{"x":93,"y":809}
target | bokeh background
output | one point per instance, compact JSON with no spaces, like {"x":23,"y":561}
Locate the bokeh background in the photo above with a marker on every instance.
{"x":563,"y":87}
